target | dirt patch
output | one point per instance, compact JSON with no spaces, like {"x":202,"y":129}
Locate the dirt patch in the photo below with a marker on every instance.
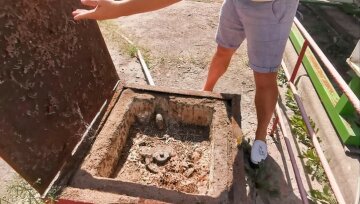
{"x":8,"y":175}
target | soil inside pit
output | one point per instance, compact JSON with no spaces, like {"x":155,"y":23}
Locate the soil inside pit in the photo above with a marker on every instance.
{"x":184,"y":148}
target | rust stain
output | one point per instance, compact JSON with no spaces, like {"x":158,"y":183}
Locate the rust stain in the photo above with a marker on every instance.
{"x":324,"y":80}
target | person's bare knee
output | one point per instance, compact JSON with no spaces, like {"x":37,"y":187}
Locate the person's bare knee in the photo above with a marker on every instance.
{"x":218,"y":66}
{"x":265,"y":80}
{"x":224,"y":53}
{"x":222,"y":58}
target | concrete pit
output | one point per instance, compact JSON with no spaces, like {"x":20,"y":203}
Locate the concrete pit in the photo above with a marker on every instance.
{"x":163,"y":147}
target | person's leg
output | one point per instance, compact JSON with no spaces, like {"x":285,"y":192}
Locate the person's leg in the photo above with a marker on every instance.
{"x":265,"y":101}
{"x":218,"y":66}
{"x":229,"y":36}
{"x":267,"y":26}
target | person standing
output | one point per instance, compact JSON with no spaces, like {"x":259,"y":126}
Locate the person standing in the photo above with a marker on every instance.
{"x":265,"y":24}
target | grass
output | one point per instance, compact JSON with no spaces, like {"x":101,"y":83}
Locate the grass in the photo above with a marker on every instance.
{"x":324,"y":197}
{"x":112,"y":34}
{"x":131,"y":50}
{"x":281,"y":78}
{"x":19,"y":191}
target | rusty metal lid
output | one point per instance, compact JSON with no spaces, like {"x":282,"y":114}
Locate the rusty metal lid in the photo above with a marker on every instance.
{"x":55,"y":75}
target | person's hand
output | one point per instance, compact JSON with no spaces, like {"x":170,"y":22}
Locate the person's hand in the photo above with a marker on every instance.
{"x":107,"y":9}
{"x":102,"y":9}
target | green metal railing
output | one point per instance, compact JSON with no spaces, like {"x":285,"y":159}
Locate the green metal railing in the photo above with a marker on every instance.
{"x":342,"y":111}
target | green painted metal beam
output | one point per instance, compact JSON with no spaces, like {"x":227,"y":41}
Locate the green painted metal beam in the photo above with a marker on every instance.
{"x":344,"y":107}
{"x":347,"y":127}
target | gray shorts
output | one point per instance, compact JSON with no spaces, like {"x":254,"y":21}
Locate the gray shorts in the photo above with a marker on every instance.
{"x":265,"y":25}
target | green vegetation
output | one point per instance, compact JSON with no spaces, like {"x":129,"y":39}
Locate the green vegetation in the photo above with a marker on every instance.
{"x":313,"y":165}
{"x":22,"y":192}
{"x":111,"y":30}
{"x":131,"y":50}
{"x":323,"y":197}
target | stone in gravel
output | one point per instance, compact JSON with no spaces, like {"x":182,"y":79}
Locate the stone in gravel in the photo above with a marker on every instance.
{"x":189,"y":172}
{"x":153,"y":168}
{"x":148,"y":160}
{"x":160,"y":122}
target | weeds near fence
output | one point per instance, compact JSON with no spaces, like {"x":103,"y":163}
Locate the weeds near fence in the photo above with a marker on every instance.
{"x":313,"y":165}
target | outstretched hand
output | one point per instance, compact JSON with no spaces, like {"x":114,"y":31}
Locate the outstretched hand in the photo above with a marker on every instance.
{"x":101,"y":10}
{"x":107,"y":9}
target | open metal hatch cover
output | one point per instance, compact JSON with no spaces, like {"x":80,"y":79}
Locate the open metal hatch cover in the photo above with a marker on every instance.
{"x":55,"y":75}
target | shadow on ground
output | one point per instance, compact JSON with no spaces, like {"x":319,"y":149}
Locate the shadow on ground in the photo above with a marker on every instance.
{"x":267,"y":183}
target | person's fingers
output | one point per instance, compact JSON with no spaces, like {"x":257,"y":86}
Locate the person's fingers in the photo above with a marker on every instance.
{"x":76,"y":12}
{"x":80,"y":14}
{"x":92,"y":3}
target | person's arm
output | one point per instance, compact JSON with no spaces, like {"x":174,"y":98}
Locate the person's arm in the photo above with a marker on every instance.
{"x":108,"y":9}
